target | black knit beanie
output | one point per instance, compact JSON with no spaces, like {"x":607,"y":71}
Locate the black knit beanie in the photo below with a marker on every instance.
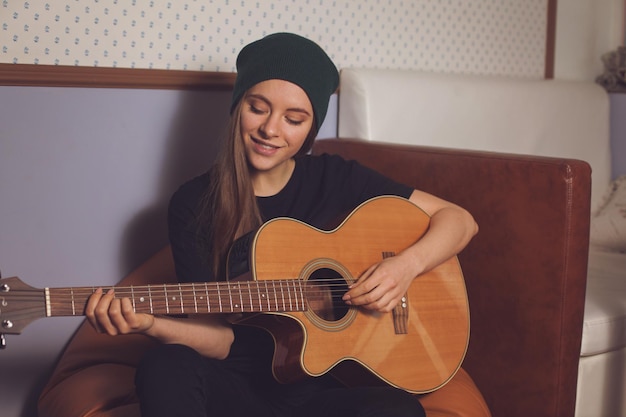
{"x":289,"y":57}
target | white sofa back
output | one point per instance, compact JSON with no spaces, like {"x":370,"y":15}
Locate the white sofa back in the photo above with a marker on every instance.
{"x":538,"y":117}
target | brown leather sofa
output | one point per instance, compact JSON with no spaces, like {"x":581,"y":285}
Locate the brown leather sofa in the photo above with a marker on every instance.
{"x":525,"y":273}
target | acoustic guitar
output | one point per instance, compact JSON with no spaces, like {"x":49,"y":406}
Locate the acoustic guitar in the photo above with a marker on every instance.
{"x":288,"y":278}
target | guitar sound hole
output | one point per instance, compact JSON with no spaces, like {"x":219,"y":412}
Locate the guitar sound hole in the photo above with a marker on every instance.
{"x":324,"y":292}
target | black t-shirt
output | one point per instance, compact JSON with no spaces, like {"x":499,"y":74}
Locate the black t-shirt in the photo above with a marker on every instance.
{"x":321,"y":192}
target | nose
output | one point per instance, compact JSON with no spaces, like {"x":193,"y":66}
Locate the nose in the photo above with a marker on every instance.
{"x":270,"y":127}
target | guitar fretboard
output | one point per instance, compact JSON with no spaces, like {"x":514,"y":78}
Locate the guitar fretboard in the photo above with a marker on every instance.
{"x":189,"y":298}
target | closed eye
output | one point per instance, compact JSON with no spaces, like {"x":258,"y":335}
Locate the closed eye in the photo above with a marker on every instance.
{"x":256,"y":110}
{"x":294,"y":122}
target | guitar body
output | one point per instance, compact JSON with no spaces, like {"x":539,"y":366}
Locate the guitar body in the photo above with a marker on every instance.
{"x":418,"y":347}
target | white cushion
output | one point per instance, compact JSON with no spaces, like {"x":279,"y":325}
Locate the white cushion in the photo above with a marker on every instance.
{"x":600,"y":388}
{"x":608,"y":225}
{"x":604,"y":327}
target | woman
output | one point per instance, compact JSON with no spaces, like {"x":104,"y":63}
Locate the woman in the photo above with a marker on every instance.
{"x":208,"y":367}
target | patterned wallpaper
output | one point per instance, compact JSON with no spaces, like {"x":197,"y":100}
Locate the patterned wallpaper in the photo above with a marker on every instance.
{"x":498,"y":37}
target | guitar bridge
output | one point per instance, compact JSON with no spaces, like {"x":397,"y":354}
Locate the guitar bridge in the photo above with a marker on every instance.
{"x":401,"y":316}
{"x":400,"y":313}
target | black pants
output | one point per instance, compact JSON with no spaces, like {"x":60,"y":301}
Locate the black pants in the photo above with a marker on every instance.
{"x":174,"y":380}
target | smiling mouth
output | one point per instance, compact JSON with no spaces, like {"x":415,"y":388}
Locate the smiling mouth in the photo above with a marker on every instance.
{"x":264,"y":145}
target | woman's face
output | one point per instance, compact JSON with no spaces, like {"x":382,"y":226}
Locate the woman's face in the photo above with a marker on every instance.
{"x":276,"y":118}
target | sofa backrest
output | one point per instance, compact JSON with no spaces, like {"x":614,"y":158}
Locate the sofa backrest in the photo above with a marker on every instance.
{"x":566,"y":119}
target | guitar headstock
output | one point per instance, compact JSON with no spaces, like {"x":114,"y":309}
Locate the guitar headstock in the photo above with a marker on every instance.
{"x":20,"y":304}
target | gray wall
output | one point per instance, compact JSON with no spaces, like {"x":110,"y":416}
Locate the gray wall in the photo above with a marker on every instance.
{"x":618,"y":133}
{"x":85,"y":177}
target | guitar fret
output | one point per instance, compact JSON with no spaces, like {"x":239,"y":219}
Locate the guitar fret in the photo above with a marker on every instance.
{"x":219,"y":297}
{"x":288,"y":294}
{"x":233,"y":304}
{"x":296,"y":294}
{"x":195,"y":300}
{"x":266,"y":295}
{"x":258,"y":293}
{"x":250,"y":295}
{"x":132,"y":297}
{"x":167,"y":302}
{"x":180,"y":292}
{"x":150,"y":298}
{"x":240,"y":295}
{"x":296,"y":290}
{"x":275,"y":295}
{"x":230,"y":297}
{"x":206,"y":291}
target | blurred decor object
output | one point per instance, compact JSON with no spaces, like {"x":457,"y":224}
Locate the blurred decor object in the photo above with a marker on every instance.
{"x":614,"y":77}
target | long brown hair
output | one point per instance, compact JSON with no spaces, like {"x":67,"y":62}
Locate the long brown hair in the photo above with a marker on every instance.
{"x":228,"y":208}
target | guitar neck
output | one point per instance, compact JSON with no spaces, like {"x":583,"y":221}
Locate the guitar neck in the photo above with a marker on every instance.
{"x":189,"y":298}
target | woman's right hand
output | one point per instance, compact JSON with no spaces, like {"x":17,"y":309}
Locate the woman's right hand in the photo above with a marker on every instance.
{"x":112,"y":315}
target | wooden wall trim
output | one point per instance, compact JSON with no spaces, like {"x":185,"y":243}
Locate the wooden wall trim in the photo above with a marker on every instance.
{"x":100,"y":77}
{"x":550,"y":39}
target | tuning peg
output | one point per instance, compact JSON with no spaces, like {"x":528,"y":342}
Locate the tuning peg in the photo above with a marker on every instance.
{"x":3,"y":341}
